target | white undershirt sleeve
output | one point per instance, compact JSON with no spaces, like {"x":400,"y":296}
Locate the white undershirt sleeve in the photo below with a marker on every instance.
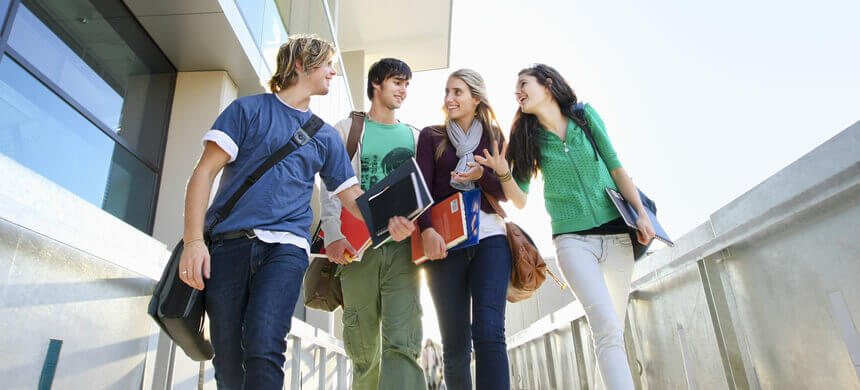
{"x":346,"y":184}
{"x":223,"y":141}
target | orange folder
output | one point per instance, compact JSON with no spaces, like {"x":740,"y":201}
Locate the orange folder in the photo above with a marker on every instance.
{"x":449,"y":220}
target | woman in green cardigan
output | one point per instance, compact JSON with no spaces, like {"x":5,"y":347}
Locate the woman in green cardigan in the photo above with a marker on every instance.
{"x":593,"y":244}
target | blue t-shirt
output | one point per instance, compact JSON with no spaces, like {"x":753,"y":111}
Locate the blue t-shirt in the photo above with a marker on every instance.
{"x":259,"y":125}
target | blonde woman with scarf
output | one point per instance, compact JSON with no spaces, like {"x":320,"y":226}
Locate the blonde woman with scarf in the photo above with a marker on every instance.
{"x":468,"y":285}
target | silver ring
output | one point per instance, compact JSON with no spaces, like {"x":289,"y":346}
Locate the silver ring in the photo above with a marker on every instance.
{"x":185,"y":272}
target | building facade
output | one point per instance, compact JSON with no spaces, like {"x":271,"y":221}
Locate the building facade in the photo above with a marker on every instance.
{"x":102,"y":107}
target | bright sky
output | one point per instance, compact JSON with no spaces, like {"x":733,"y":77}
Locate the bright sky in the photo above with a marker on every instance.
{"x":702,"y":101}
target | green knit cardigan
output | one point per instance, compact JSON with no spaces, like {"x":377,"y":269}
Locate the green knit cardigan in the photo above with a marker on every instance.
{"x":574,"y":181}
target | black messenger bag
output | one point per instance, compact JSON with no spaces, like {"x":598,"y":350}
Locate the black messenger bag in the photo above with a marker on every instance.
{"x":177,"y":307}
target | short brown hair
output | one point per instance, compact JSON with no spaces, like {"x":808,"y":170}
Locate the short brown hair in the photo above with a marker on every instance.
{"x":310,"y":51}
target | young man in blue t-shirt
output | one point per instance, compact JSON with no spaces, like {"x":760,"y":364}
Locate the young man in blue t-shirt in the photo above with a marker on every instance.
{"x":259,"y":252}
{"x":382,"y":288}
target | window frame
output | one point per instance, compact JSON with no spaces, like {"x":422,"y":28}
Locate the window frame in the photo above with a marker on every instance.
{"x":157,"y":166}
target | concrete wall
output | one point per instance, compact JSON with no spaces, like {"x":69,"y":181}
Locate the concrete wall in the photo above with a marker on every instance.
{"x":71,"y":271}
{"x":54,"y":291}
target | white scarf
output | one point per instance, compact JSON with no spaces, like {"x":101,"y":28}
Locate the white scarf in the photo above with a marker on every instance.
{"x":465,"y":144}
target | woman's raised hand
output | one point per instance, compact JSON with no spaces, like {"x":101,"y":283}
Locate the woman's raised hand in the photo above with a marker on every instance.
{"x":495,"y":160}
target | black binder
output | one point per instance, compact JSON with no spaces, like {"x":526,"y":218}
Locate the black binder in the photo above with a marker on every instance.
{"x":402,"y":193}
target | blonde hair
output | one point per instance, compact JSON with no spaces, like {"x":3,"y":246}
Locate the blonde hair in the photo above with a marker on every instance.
{"x":483,"y":112}
{"x":310,"y":51}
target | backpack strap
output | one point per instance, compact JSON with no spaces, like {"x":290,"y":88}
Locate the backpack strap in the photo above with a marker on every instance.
{"x":355,"y":131}
{"x":302,"y":136}
{"x":578,"y":110}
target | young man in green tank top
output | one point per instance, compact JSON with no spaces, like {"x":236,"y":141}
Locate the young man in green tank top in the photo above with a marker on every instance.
{"x":382,"y":288}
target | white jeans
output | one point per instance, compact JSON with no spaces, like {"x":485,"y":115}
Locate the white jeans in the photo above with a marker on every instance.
{"x":598,"y":269}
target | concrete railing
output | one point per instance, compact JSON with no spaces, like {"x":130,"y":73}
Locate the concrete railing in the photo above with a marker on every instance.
{"x":765,"y":294}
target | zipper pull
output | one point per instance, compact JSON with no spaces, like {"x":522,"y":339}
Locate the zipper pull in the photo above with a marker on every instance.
{"x":565,"y":146}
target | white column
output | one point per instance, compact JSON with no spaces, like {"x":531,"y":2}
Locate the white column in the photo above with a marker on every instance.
{"x":198,"y":99}
{"x":353,"y":63}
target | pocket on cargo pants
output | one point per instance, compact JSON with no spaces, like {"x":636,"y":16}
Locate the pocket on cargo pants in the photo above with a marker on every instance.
{"x":352,"y":338}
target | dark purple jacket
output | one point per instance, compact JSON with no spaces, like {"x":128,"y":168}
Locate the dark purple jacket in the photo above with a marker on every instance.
{"x":437,"y":173}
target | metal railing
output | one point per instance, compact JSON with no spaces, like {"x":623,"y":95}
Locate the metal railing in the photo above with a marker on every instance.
{"x":763,"y":295}
{"x":314,"y":360}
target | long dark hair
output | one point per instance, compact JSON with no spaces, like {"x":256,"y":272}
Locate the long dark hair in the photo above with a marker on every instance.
{"x":524,"y":149}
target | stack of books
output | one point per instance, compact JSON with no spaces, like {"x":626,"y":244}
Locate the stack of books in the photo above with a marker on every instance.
{"x":456,"y":219}
{"x":402,"y":193}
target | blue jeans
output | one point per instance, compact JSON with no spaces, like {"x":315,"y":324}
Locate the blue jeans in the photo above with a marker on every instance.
{"x":476,"y":276}
{"x":250,"y":300}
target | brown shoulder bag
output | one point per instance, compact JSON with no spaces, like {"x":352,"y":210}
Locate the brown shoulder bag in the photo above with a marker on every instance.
{"x":528,"y":270}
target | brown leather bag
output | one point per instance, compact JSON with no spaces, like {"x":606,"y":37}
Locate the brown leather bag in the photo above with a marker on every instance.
{"x":528,"y":270}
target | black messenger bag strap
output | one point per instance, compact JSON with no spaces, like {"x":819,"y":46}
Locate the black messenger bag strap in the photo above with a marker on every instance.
{"x":175,"y":306}
{"x":302,"y":136}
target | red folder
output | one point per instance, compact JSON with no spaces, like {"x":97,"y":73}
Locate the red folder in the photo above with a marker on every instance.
{"x":449,"y":220}
{"x":356,"y":233}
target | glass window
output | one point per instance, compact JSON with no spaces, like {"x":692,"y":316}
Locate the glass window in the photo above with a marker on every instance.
{"x":130,"y":191}
{"x":56,"y":60}
{"x":274,"y":35}
{"x":42,"y":132}
{"x":266,"y":22}
{"x":98,"y":55}
{"x":4,"y":9}
{"x":253,"y":11}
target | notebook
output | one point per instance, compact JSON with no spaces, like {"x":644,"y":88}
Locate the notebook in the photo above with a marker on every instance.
{"x":402,"y":193}
{"x":449,"y":220}
{"x":630,"y":216}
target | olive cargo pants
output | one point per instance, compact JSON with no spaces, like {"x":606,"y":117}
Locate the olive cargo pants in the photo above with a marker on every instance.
{"x":383,"y":288}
